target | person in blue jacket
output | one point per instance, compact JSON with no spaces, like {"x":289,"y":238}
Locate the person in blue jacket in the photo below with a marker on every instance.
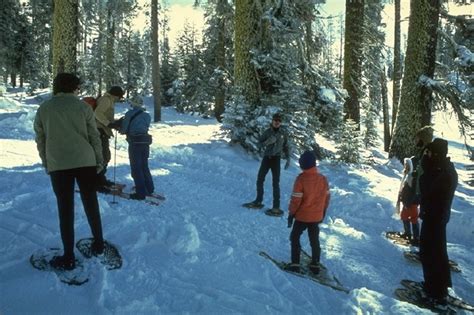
{"x":135,"y":126}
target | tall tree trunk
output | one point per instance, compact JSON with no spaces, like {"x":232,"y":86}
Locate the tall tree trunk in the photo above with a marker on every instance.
{"x":65,"y":36}
{"x":416,"y":100}
{"x":386,"y":116}
{"x":100,"y":42}
{"x":353,"y":51}
{"x":397,"y":66}
{"x":220,"y":56}
{"x":246,"y":22}
{"x":109,"y":49}
{"x":156,"y":62}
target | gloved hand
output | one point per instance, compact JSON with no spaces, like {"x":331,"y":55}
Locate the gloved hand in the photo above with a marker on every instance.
{"x":287,"y":164}
{"x":270,"y":140}
{"x":99,"y":168}
{"x":290,"y":220}
{"x":116,"y":124}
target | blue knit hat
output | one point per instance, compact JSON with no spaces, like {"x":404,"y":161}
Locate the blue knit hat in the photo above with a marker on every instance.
{"x":307,"y":160}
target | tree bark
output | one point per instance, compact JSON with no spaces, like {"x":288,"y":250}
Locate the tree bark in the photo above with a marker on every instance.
{"x":246,"y":22}
{"x":416,"y":100}
{"x":220,"y":56}
{"x":386,"y":116}
{"x":397,"y":67}
{"x":353,"y":51}
{"x":156,"y":62}
{"x":65,"y":36}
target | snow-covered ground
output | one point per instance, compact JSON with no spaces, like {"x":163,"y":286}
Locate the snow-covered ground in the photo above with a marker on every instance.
{"x":198,"y":251}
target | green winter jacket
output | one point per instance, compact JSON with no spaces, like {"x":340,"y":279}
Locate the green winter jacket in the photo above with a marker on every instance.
{"x":66,"y":134}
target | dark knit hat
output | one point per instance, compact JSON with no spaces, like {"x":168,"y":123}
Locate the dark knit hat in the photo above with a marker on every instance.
{"x":116,"y":91}
{"x":438,"y":147}
{"x":307,"y":160}
{"x":277,"y":116}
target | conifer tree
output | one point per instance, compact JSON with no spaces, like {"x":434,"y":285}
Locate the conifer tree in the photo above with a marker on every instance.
{"x":353,"y":46}
{"x":416,"y":100}
{"x":65,"y":36}
{"x":348,"y":150}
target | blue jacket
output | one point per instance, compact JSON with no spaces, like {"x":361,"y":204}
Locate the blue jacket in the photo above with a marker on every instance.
{"x":139,"y":125}
{"x":136,"y":129}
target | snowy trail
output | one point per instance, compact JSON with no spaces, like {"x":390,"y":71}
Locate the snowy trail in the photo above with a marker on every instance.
{"x":198,"y":251}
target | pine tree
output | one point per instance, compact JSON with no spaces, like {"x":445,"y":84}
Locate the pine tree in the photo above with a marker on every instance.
{"x":65,"y":31}
{"x":353,"y":58}
{"x":416,"y":100}
{"x":155,"y":62}
{"x":349,"y":142}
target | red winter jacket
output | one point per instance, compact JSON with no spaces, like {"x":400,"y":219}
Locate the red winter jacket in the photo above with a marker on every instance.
{"x":310,"y":197}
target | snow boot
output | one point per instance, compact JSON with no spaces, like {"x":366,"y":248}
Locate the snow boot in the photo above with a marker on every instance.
{"x":135,"y":196}
{"x":293,"y":267}
{"x":275,"y":212}
{"x":253,"y":205}
{"x":314,"y":268}
{"x":63,"y":263}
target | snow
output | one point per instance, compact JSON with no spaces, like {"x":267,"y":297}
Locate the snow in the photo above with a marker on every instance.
{"x":198,"y":251}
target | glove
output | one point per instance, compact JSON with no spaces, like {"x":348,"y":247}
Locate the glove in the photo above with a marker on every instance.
{"x":270,"y":140}
{"x":287,"y":164}
{"x":116,"y":124}
{"x":99,"y":168}
{"x":290,"y":220}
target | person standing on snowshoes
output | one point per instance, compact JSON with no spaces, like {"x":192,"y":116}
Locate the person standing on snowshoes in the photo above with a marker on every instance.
{"x":437,"y":186}
{"x":308,"y":205}
{"x":407,"y":198}
{"x":104,"y":115}
{"x":135,"y":125}
{"x":274,"y":142}
{"x":70,"y":149}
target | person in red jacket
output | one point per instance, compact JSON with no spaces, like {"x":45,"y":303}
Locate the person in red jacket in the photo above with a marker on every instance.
{"x":309,"y":201}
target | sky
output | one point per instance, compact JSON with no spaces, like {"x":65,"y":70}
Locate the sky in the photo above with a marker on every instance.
{"x":198,"y":251}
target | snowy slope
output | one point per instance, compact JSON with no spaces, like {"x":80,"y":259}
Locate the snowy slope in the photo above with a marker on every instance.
{"x":198,"y":251}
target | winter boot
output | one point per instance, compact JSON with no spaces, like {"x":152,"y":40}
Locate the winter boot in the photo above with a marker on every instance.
{"x":253,"y":205}
{"x":97,"y":248}
{"x":314,"y":268}
{"x":63,"y":263}
{"x":275,"y":212}
{"x":293,"y":267}
{"x":135,"y":196}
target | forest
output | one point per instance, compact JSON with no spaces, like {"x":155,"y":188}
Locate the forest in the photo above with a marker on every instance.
{"x":331,"y":75}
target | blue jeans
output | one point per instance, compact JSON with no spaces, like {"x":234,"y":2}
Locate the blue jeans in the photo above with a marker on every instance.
{"x":138,"y":154}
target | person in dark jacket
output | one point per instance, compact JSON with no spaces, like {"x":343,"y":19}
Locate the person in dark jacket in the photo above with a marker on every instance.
{"x":437,"y":186}
{"x":274,"y":141}
{"x":70,"y":149}
{"x":135,"y":125}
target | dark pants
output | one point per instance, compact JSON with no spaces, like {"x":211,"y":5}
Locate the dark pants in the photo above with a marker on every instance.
{"x":106,"y":155}
{"x":138,"y":155}
{"x":63,"y":186}
{"x":414,"y":231}
{"x":434,"y":259}
{"x":313,"y":234}
{"x":269,"y":163}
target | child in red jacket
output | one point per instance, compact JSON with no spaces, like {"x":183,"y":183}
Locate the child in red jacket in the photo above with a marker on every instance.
{"x":309,"y":201}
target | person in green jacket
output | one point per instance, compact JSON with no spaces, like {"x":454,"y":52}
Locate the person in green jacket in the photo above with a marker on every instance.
{"x":70,"y":150}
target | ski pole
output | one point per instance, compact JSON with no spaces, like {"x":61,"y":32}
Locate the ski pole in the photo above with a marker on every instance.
{"x":115,"y":164}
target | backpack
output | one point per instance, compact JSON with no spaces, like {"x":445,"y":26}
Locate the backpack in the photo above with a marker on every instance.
{"x":92,"y":101}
